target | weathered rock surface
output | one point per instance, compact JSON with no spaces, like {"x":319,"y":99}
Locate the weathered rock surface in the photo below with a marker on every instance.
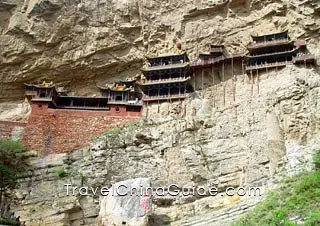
{"x":78,"y":44}
{"x":128,"y":203}
{"x":252,"y":142}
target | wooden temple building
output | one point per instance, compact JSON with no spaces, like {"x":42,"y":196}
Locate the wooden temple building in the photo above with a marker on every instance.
{"x":47,"y":93}
{"x":166,"y":78}
{"x":124,"y":94}
{"x":276,"y":51}
{"x":217,"y":55}
{"x":173,"y":77}
{"x":44,"y":92}
{"x":121,"y":98}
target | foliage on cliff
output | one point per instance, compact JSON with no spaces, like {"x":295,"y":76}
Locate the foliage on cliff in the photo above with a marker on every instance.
{"x":11,"y":163}
{"x":298,"y":203}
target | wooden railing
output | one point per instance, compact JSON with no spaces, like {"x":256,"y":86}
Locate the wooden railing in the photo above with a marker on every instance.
{"x":150,"y":82}
{"x":164,"y":97}
{"x":275,"y":53}
{"x":30,"y":93}
{"x":139,"y":102}
{"x":46,"y":99}
{"x":217,"y":49}
{"x":303,"y":57}
{"x":82,"y":107}
{"x":267,"y":65}
{"x":267,"y":43}
{"x":201,"y":62}
{"x":167,"y":66}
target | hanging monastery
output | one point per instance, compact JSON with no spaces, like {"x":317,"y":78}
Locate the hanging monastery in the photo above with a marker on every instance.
{"x":61,"y":123}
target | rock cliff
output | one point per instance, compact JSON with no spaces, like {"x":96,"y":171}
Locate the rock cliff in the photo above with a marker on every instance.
{"x":254,"y":142}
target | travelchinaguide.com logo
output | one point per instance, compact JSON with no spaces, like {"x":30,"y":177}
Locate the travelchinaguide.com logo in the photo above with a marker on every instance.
{"x":171,"y":190}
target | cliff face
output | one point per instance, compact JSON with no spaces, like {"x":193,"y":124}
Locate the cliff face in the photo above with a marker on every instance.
{"x":80,"y":43}
{"x":252,"y":142}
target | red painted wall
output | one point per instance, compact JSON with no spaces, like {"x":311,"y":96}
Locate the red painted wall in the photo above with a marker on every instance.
{"x":60,"y":130}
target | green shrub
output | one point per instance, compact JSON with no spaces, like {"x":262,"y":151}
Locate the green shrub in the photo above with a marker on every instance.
{"x":316,"y":160}
{"x":9,"y":222}
{"x":12,"y":165}
{"x":115,"y":130}
{"x":60,"y":172}
{"x":11,"y":145}
{"x":130,"y":126}
{"x":313,"y":219}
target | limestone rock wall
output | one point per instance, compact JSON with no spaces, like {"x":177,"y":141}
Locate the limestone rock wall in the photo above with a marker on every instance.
{"x":253,"y":142}
{"x":78,"y":44}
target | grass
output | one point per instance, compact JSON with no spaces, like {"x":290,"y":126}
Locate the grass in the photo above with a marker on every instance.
{"x":119,"y":129}
{"x":11,"y":145}
{"x":15,"y":147}
{"x":60,"y":172}
{"x":299,"y":198}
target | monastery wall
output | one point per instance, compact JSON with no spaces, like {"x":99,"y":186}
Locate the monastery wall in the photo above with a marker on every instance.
{"x":60,"y":130}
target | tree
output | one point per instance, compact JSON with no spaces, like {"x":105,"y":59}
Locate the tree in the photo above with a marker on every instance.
{"x":12,"y":162}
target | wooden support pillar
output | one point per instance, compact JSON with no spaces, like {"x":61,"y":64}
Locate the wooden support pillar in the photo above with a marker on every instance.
{"x":224,"y":85}
{"x":258,"y":82}
{"x":233,"y":81}
{"x":194,"y":81}
{"x":147,"y":110}
{"x":223,"y":78}
{"x":267,"y":69}
{"x":305,"y":62}
{"x":251,"y":78}
{"x":213,"y":93}
{"x":202,"y":75}
{"x":169,"y":94}
{"x":243,"y":71}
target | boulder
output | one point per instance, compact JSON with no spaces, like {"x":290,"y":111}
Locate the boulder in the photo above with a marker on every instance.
{"x":123,"y":207}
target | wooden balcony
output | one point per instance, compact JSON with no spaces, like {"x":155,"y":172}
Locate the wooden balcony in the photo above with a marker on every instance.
{"x":128,"y":103}
{"x":165,"y":97}
{"x":269,"y":43}
{"x":42,"y":99}
{"x":201,"y":62}
{"x":84,"y":108}
{"x":166,"y":67}
{"x":268,"y":65}
{"x":217,"y":49}
{"x":308,"y":58}
{"x":30,"y":93}
{"x":165,"y":81}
